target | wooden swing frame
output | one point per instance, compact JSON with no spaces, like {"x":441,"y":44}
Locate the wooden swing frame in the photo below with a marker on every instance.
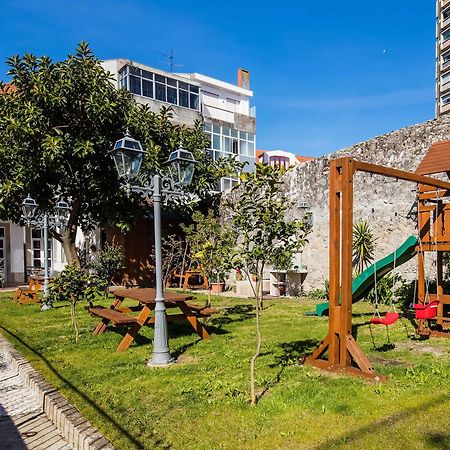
{"x":343,"y":352}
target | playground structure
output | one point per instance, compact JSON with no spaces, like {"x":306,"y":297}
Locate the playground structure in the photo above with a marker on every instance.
{"x":339,"y":351}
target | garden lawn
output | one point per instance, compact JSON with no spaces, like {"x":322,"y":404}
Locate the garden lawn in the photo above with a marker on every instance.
{"x":202,"y":401}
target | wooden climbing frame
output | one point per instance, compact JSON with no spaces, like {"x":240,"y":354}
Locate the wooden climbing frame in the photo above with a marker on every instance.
{"x":339,"y":351}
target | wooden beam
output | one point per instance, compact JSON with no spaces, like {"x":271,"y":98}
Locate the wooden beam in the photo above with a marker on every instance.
{"x":399,"y":174}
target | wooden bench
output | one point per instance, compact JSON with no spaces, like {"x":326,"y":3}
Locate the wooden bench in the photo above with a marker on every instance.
{"x":202,"y":311}
{"x":112,"y":315}
{"x":28,"y":294}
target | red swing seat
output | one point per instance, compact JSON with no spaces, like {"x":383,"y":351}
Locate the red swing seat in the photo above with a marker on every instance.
{"x":388,"y":319}
{"x":426,"y":311}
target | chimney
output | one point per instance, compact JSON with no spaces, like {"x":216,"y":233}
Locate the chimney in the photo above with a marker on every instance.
{"x":244,"y":79}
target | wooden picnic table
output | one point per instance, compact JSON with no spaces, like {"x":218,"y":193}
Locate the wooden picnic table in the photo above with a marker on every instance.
{"x":145,"y":297}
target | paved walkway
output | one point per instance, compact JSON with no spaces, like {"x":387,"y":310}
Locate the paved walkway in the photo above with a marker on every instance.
{"x":23,"y":424}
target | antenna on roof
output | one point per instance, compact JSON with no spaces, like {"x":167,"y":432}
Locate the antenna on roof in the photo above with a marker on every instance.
{"x":170,"y":59}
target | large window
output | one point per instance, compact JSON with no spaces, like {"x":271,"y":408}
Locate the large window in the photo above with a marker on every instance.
{"x":159,"y":87}
{"x":228,"y":141}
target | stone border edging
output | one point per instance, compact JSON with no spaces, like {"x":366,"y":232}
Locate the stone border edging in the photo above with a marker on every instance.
{"x":67,"y":419}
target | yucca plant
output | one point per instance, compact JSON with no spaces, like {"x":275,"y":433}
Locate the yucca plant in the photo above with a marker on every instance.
{"x":363,"y":245}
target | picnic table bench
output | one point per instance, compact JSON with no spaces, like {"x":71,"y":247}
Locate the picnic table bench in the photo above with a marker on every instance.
{"x":120,"y":316}
{"x":29,"y":293}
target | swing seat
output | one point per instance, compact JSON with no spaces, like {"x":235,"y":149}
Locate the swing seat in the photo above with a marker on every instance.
{"x":428,"y":311}
{"x":388,"y":319}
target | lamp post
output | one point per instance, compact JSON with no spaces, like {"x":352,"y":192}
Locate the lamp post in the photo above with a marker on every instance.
{"x":31,"y":216}
{"x":128,"y":154}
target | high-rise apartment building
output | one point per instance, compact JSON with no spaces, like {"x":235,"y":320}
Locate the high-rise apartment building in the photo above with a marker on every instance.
{"x":225,"y":109}
{"x":442,"y":57}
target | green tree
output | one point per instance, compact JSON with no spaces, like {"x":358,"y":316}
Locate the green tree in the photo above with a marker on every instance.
{"x":258,"y":210}
{"x":57,"y":127}
{"x":211,"y":243}
{"x":363,"y":246}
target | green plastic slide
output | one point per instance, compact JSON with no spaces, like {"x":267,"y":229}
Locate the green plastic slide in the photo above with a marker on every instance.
{"x":365,"y":282}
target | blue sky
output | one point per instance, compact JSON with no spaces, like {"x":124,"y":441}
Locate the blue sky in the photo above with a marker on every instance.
{"x":325,"y":74}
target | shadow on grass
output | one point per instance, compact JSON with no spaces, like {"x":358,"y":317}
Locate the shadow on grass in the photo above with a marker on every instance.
{"x":237,"y":313}
{"x":292,"y":353}
{"x":434,"y":440}
{"x":136,"y":443}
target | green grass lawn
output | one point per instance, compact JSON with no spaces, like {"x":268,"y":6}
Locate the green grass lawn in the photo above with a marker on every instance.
{"x":202,"y":401}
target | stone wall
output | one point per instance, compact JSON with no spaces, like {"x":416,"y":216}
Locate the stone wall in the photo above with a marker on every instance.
{"x":384,"y":202}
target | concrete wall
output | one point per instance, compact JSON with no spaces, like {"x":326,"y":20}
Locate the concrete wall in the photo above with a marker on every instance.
{"x":384,"y":202}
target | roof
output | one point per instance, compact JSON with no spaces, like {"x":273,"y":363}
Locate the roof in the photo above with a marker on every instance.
{"x":436,"y":160}
{"x":8,"y":88}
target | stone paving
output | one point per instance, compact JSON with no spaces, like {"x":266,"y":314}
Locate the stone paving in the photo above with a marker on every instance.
{"x":23,"y":423}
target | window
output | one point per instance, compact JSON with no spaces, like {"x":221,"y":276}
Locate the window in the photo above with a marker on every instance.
{"x":446,"y":35}
{"x":281,"y":161}
{"x":445,"y":100}
{"x":135,"y":85}
{"x":445,"y":14}
{"x":172,"y":95}
{"x":445,"y":78}
{"x":160,"y":92}
{"x":152,"y":85}
{"x":37,"y":249}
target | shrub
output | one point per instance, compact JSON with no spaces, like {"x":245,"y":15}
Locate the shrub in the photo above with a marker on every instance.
{"x":108,"y":263}
{"x":74,"y":284}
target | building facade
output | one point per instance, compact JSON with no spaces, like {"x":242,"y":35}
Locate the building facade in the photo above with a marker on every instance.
{"x":442,"y":57}
{"x":224,"y":108}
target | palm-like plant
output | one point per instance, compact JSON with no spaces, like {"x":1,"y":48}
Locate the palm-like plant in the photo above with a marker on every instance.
{"x":363,"y":245}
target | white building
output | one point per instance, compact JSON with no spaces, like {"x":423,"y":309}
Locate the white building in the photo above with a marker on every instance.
{"x":223,"y":107}
{"x":22,"y":251}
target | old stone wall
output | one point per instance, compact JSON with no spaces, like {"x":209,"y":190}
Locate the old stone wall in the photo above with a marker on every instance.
{"x":384,"y":202}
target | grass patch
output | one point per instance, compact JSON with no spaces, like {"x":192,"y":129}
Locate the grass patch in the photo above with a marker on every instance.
{"x":202,"y":401}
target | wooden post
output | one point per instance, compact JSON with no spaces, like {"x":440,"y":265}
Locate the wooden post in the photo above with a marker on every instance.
{"x":343,"y":349}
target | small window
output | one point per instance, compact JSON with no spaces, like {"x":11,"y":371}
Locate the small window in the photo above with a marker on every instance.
{"x":445,"y":100}
{"x":207,"y":126}
{"x":147,"y":74}
{"x":160,"y":92}
{"x":160,"y":78}
{"x":184,"y":98}
{"x":193,"y":101}
{"x":135,"y":70}
{"x":236,"y":146}
{"x":193,"y":88}
{"x":135,"y":85}
{"x":446,"y":14}
{"x":172,"y":95}
{"x":147,"y":88}
{"x":216,"y":142}
{"x":183,"y":85}
{"x":216,"y":129}
{"x":445,"y":78}
{"x":171,"y":82}
{"x":446,"y":35}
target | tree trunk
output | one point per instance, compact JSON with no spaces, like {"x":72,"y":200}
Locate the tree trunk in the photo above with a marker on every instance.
{"x":258,"y":345}
{"x":68,"y":242}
